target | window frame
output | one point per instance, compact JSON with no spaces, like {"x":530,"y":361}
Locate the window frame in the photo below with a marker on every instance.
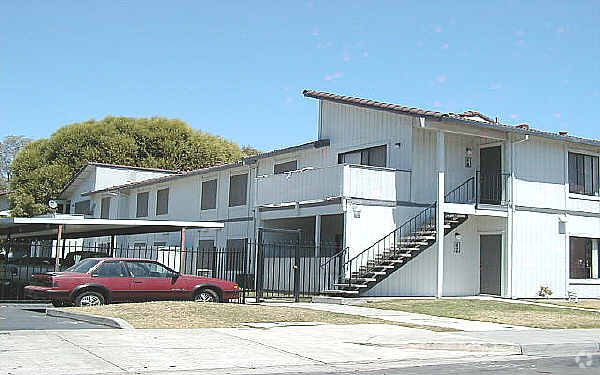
{"x":166,"y":202}
{"x":137,"y":206}
{"x":589,"y":270}
{"x":582,"y":180}
{"x":284,"y":163}
{"x":89,"y":207}
{"x":244,"y":191}
{"x":366,"y":152}
{"x":105,"y":215}
{"x":202,"y":196}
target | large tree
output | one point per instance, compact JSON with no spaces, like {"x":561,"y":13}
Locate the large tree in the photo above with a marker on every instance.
{"x":9,"y":147}
{"x":45,"y":166}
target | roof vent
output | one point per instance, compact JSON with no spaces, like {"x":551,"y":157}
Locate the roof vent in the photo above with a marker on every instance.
{"x":522,"y":126}
{"x":563,"y":133}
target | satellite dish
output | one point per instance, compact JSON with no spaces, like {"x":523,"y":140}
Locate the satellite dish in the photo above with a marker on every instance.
{"x":52,"y":204}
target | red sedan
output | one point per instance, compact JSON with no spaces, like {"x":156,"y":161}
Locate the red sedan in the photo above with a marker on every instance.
{"x":98,"y":281}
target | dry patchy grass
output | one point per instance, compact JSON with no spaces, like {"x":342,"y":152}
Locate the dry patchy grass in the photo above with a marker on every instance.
{"x":496,"y":312}
{"x":169,"y":314}
{"x":592,"y":304}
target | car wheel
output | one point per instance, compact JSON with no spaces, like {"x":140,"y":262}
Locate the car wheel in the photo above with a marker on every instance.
{"x":206,"y":295}
{"x":89,"y":299}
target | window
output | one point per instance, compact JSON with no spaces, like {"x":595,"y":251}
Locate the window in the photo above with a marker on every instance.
{"x":583,"y":174}
{"x":209,"y":195}
{"x":105,"y":208}
{"x":162,"y":202}
{"x":67,"y":207}
{"x":142,"y":204}
{"x":238,"y":190}
{"x":148,"y":269}
{"x":83,"y":208}
{"x":583,"y":258}
{"x":236,"y":252}
{"x":139,"y":245}
{"x":111,"y":269}
{"x":374,"y":156}
{"x":160,"y":244}
{"x":285,"y":167}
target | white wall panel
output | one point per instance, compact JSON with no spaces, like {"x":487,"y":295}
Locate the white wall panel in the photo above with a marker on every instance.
{"x":540,"y":256}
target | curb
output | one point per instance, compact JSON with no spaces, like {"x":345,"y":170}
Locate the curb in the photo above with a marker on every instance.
{"x":560,"y":349}
{"x":94,"y":319}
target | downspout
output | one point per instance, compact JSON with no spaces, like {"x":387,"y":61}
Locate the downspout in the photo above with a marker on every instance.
{"x":512,"y":211}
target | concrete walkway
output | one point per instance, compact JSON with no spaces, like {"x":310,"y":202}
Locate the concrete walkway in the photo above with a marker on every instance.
{"x":405,"y":317}
{"x":320,"y":348}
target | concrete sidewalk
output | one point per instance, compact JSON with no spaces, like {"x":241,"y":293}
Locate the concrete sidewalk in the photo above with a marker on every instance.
{"x":405,"y":317}
{"x":240,"y":350}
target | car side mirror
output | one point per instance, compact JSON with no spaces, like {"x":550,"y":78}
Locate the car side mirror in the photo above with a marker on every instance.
{"x":175,"y":276}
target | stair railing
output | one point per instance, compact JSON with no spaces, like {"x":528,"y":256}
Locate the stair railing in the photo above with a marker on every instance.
{"x":332,"y":270}
{"x":463,"y":193}
{"x":389,"y":246}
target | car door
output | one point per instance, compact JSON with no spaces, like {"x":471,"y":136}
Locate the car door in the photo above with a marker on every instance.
{"x":115,"y":277}
{"x":152,"y":281}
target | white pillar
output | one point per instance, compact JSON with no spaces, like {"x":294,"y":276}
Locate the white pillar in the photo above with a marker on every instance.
{"x":317,"y":235}
{"x":441,"y":167}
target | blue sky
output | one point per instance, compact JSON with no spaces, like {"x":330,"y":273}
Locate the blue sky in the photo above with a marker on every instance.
{"x":237,"y":68}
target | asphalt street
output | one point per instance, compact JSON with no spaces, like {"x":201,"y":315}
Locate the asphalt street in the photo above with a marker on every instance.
{"x":23,"y":317}
{"x":554,"y":365}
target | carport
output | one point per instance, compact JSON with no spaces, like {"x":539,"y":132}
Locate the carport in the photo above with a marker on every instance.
{"x":61,"y":227}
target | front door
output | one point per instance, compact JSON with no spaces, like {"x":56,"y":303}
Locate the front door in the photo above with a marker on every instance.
{"x":490,"y":178}
{"x":490,"y":260}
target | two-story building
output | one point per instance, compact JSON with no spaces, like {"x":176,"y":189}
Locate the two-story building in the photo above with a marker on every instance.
{"x":424,"y":203}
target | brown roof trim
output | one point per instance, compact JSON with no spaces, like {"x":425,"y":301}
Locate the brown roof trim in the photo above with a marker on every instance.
{"x":462,"y":118}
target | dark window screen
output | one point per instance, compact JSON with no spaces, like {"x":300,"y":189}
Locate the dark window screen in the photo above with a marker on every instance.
{"x":238,"y":190}
{"x":285,"y":167}
{"x":209,"y":195}
{"x":142,"y":205}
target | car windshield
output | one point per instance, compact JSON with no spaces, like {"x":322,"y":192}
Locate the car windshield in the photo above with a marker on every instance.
{"x":84,"y":266}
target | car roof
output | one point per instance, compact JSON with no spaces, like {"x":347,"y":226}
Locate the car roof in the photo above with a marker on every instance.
{"x":129,"y":259}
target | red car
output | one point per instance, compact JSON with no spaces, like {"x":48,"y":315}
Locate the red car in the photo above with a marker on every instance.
{"x":98,"y":281}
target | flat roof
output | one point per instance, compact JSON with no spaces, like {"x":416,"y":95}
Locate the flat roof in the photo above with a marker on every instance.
{"x":79,"y":227}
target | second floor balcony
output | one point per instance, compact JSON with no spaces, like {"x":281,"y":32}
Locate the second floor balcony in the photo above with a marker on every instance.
{"x":344,"y":180}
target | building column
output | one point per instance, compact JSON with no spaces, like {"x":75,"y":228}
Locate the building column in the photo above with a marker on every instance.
{"x":58,"y":243}
{"x":441,"y":168}
{"x":317,"y":235}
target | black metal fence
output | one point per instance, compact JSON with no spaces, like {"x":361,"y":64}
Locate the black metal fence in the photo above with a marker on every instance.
{"x":292,"y":270}
{"x":263,"y":270}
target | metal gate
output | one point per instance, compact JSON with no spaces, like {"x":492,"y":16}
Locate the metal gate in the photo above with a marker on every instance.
{"x":293,"y":269}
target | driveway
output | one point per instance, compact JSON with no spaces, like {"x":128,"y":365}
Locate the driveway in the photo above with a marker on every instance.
{"x":33,"y":317}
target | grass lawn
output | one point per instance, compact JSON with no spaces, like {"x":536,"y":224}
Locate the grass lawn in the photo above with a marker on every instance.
{"x":187,"y":314}
{"x":593,"y":304}
{"x":496,"y":312}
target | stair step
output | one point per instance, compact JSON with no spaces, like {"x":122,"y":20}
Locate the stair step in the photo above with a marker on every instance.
{"x":378,"y":265}
{"x":369,"y":273}
{"x":361,"y":279}
{"x":360,"y":286}
{"x":340,"y":292}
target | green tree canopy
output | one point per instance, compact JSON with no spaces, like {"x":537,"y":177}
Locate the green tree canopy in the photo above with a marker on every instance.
{"x":43,"y":168}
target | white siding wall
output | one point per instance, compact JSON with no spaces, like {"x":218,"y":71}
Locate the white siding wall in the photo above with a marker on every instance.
{"x":418,"y":277}
{"x":350,"y":128}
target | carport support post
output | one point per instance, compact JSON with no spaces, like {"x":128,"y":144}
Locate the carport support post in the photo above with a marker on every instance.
{"x":112,"y":245}
{"x":182,"y":257}
{"x":58,"y":243}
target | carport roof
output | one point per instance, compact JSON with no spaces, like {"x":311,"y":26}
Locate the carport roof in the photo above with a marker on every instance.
{"x":79,"y":227}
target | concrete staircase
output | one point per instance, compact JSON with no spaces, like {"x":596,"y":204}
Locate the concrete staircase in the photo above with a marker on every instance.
{"x":391,"y":253}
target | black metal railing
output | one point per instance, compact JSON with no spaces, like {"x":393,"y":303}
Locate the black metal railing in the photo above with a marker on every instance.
{"x":492,"y":188}
{"x":390,"y":246}
{"x":463,"y":193}
{"x":484,"y":188}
